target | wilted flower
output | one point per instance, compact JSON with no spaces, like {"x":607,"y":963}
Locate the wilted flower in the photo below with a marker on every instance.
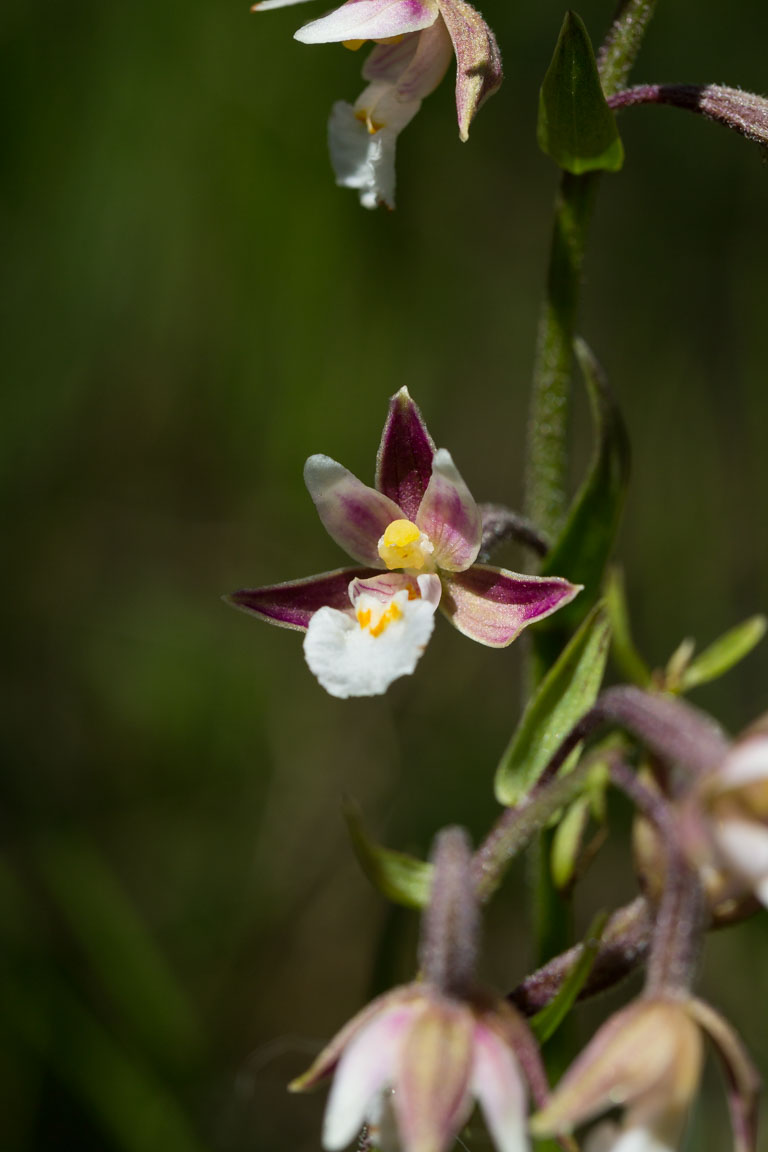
{"x":647,"y":1059}
{"x":735,"y":800}
{"x":417,"y":1058}
{"x":415,"y":42}
{"x":418,"y":533}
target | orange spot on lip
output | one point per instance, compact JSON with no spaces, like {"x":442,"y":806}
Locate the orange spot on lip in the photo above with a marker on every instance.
{"x":353,"y":45}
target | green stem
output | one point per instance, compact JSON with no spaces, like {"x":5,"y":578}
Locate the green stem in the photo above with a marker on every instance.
{"x":623,"y":42}
{"x":547,"y":446}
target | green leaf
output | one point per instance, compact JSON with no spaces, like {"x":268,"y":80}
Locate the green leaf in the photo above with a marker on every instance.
{"x":626,"y":655}
{"x":401,"y":878}
{"x":727,"y":651}
{"x":576,"y":127}
{"x":567,"y":691}
{"x":566,"y":842}
{"x":546,"y":1022}
{"x":584,"y":546}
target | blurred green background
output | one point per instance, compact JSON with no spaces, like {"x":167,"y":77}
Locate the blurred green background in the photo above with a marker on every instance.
{"x":189,"y":309}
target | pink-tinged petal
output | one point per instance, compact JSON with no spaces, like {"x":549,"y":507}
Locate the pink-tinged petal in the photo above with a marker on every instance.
{"x":449,"y":516}
{"x":383,"y":585}
{"x":355,"y":515}
{"x":492,"y":605}
{"x":294,"y":603}
{"x":432,"y":1098}
{"x":387,"y":62}
{"x":430,"y":63}
{"x":326,"y":1062}
{"x":478,"y":60}
{"x":370,"y":20}
{"x":430,"y":588}
{"x":498,"y":1086}
{"x":404,"y":460}
{"x":367,"y":1066}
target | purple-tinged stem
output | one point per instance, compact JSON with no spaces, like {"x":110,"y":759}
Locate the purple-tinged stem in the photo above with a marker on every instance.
{"x":623,"y":947}
{"x":744,"y":112}
{"x":501,"y":524}
{"x":672,"y":730}
{"x":622,"y":44}
{"x":679,"y":923}
{"x":742,"y":1077}
{"x":450,"y":925}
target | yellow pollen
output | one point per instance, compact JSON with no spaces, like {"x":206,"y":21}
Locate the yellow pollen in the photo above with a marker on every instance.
{"x":391,"y":613}
{"x":404,"y":545}
{"x":353,"y":45}
{"x":364,"y":116}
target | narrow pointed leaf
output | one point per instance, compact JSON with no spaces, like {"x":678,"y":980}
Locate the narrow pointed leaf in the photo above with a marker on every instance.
{"x":546,"y":1022}
{"x":630,"y":662}
{"x":567,"y":840}
{"x":401,"y":878}
{"x":584,"y":546}
{"x":726,"y":652}
{"x":576,"y":127}
{"x":568,"y":690}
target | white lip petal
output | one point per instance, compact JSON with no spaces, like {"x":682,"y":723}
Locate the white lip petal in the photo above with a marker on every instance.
{"x":349,"y":660}
{"x":366,"y":160}
{"x":743,"y":845}
{"x":746,"y":764}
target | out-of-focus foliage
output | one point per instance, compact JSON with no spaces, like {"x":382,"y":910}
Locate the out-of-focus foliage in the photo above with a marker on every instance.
{"x":189,"y":309}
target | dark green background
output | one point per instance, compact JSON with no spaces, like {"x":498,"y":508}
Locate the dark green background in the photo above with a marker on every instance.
{"x":190,"y":308}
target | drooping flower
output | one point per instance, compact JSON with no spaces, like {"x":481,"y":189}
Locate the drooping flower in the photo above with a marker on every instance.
{"x":647,"y":1059}
{"x":415,"y":40}
{"x":428,"y":1058}
{"x":413,"y":1062}
{"x":734,"y":798}
{"x":417,"y":535}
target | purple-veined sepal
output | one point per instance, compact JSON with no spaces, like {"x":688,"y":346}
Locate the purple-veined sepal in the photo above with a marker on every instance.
{"x":492,"y":605}
{"x":293,"y":603}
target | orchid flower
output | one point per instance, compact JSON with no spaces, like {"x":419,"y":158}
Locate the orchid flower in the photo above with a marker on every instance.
{"x":647,"y":1059}
{"x":426,"y":1058}
{"x":409,"y":1067}
{"x":417,"y":535}
{"x":415,"y":40}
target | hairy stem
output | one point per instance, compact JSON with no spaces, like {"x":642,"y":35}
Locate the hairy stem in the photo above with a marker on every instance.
{"x":623,"y":42}
{"x":623,"y":947}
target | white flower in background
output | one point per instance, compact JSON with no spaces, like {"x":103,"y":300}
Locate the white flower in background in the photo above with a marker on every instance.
{"x":415,"y":41}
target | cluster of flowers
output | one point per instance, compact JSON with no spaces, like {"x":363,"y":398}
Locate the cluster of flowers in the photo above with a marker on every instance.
{"x":408,"y":1069}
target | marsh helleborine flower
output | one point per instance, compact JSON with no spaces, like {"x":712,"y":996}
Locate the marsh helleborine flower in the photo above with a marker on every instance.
{"x":415,"y":40}
{"x":428,"y":1057}
{"x":647,"y":1059}
{"x":414,"y":1061}
{"x":417,"y":535}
